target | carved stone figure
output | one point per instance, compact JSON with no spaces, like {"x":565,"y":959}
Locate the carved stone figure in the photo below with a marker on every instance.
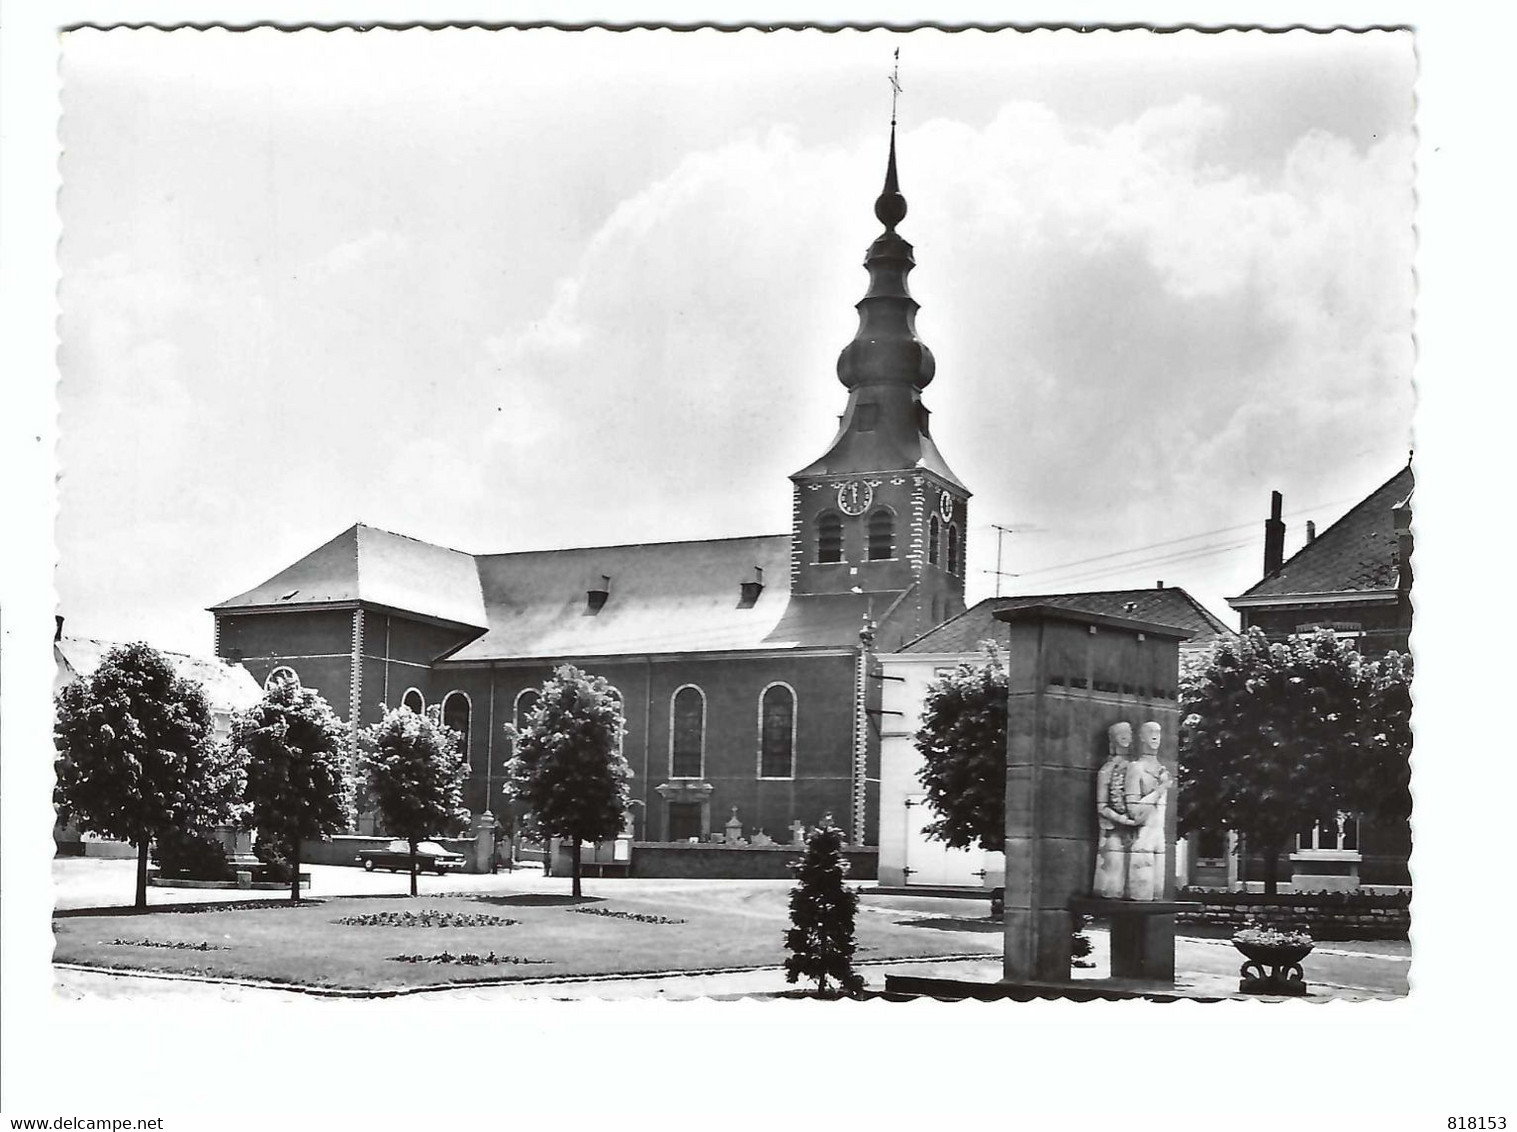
{"x":1146,"y":787}
{"x":1115,"y":825}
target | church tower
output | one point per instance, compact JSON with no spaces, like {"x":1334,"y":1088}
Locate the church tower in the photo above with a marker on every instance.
{"x":880,"y":511}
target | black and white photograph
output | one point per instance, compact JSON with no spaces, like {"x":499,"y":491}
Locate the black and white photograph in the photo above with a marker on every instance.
{"x":881,"y":523}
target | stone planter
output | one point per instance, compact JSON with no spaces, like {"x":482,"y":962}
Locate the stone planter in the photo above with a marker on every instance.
{"x":1272,"y":968}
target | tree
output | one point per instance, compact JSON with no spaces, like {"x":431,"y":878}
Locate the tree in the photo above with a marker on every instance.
{"x":962,"y":739}
{"x":822,"y":911}
{"x":567,"y":768}
{"x":298,"y":787}
{"x":1278,"y":736}
{"x":136,"y":754}
{"x":413,"y":768}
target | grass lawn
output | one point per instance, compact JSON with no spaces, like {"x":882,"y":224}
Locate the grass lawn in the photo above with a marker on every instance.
{"x":720,"y":925}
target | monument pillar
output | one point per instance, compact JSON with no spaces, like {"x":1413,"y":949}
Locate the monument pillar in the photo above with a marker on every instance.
{"x":1071,"y":677}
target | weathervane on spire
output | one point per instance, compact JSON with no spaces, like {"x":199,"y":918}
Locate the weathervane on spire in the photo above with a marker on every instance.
{"x":895,"y":84}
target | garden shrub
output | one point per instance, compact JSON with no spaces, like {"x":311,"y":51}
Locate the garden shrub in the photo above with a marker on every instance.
{"x":191,"y":854}
{"x":276,"y":866}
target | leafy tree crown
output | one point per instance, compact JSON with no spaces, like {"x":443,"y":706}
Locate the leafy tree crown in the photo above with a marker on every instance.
{"x":962,"y":740}
{"x":413,"y":769}
{"x":136,"y":750}
{"x":298,"y":782}
{"x":1276,"y":736}
{"x":567,"y":768}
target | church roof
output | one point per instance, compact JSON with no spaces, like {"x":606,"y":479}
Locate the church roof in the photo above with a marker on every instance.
{"x":1356,"y":553}
{"x":379,"y":568}
{"x":1168,"y":606}
{"x":661,"y":598}
{"x":228,"y":686}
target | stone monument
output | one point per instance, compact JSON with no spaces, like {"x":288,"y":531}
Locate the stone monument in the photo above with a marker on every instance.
{"x":1088,"y":825}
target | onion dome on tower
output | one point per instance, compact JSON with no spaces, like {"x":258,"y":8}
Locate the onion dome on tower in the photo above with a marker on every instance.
{"x":885,"y":368}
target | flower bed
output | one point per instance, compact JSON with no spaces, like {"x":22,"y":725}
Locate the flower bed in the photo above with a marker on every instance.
{"x":467,"y":959}
{"x":428,"y":918}
{"x":640,"y":917}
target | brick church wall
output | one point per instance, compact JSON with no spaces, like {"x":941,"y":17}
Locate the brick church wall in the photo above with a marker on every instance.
{"x":317,"y":644}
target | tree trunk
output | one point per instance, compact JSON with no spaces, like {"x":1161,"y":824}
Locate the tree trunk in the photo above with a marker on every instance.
{"x":412,"y":844}
{"x":1271,"y":872}
{"x":295,"y":869}
{"x":140,"y":900}
{"x":575,"y":866}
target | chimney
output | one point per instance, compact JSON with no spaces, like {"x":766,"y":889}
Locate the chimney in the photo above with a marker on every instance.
{"x":1160,"y":586}
{"x":1402,"y":515}
{"x":595,"y":600}
{"x":58,"y":631}
{"x":750,"y":590}
{"x":1274,"y":536}
{"x":1311,"y":532}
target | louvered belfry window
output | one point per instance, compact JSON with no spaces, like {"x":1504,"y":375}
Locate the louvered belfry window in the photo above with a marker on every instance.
{"x":881,"y":535}
{"x":829,"y":538}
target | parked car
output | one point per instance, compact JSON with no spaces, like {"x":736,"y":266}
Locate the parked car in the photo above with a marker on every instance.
{"x":396,"y":856}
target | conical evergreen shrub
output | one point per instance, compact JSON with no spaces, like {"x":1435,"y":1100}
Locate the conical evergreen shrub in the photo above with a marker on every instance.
{"x":822,"y":910}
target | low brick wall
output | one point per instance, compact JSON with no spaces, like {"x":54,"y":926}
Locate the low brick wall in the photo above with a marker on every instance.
{"x":736,"y":862}
{"x":1327,"y":915}
{"x":343,"y":848}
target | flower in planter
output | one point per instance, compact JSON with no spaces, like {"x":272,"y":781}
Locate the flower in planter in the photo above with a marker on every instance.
{"x":1271,"y":937}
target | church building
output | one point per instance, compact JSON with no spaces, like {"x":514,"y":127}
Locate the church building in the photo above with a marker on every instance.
{"x":746,"y":666}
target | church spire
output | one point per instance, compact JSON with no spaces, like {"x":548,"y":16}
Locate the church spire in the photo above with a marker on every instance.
{"x":886,"y":348}
{"x":886,"y":366}
{"x":890,"y":206}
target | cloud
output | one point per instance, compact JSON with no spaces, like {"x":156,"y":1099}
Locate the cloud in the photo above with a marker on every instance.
{"x":1130,"y":335}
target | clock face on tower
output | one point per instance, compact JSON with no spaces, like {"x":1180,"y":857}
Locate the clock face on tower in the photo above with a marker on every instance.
{"x":854,"y":497}
{"x":945,"y":506}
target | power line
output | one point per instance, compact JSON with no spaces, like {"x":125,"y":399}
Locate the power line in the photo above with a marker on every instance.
{"x":1145,"y":563}
{"x":1168,"y":542}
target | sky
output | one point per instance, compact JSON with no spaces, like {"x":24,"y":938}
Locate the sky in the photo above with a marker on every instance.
{"x":526,"y":289}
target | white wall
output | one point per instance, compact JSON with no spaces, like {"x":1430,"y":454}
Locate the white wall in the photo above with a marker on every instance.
{"x":907,"y":676}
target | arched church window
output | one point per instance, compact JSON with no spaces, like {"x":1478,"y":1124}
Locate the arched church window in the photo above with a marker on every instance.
{"x":777,"y":732}
{"x":687,"y":733}
{"x":526,"y":700}
{"x":934,"y":537}
{"x":455,"y":716}
{"x":281,"y":674}
{"x":953,"y":549}
{"x":829,"y":538}
{"x":413,"y":700}
{"x":881,"y":535}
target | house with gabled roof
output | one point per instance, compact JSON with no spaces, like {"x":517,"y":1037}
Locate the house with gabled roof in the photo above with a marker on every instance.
{"x":1354,"y":578}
